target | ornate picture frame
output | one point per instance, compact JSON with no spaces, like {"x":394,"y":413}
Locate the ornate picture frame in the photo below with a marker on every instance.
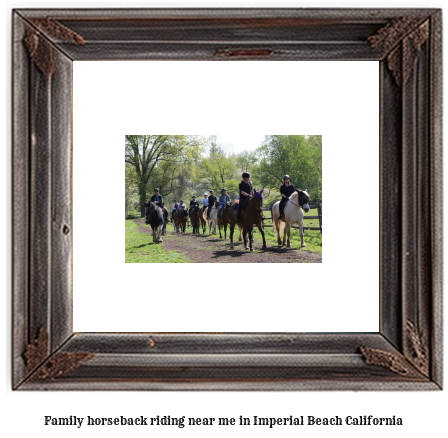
{"x":406,"y":353}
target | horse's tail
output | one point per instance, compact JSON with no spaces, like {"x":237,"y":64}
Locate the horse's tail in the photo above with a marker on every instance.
{"x":277,"y":224}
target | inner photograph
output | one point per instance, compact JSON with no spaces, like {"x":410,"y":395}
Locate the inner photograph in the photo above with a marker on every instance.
{"x":230,"y":198}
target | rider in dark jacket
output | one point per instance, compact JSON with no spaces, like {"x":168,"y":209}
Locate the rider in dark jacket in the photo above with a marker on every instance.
{"x":157,"y":198}
{"x":246,"y":192}
{"x":286,"y":190}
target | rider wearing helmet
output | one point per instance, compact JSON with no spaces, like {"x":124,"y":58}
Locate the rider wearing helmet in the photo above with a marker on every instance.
{"x":157,"y":198}
{"x":193,"y":203}
{"x":204,"y":202}
{"x":246,"y":192}
{"x":223,"y":200}
{"x":182,"y":206}
{"x":286,"y":190}
{"x":211,"y":202}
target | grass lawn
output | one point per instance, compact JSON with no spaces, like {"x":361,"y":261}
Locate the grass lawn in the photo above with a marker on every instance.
{"x":139,"y":248}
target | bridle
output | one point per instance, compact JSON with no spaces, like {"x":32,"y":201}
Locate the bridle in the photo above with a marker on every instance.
{"x":297,"y":205}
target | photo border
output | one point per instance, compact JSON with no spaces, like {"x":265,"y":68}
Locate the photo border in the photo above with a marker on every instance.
{"x":406,"y":353}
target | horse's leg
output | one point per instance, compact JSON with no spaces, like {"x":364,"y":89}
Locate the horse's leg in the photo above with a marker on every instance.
{"x":262,"y":235}
{"x":225,"y":232}
{"x":252,"y":234}
{"x":285,"y":228}
{"x":245,"y":238}
{"x":251,"y":237}
{"x":232,"y":229}
{"x":240,"y":239}
{"x":288,"y":242}
{"x":303,"y":245}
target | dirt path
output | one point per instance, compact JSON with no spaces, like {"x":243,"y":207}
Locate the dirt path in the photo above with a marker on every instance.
{"x":202,"y":248}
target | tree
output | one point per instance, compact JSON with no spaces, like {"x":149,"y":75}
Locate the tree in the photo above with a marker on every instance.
{"x":149,"y":154}
{"x":294,"y":155}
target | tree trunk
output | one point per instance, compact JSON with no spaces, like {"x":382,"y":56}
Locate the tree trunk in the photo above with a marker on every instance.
{"x":142,"y":192}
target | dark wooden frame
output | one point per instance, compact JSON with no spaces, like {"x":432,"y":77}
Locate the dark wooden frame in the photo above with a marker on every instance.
{"x":406,"y":354}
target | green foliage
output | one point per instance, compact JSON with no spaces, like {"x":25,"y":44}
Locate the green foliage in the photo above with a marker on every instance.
{"x":139,"y":248}
{"x":183,"y":165}
{"x":156,"y":159}
{"x":295,"y":155}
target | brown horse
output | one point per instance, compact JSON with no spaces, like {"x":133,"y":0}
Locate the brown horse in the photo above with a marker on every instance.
{"x":226,"y":219}
{"x":176,"y":221}
{"x":182,"y":218}
{"x":253,"y":215}
{"x":195,"y":219}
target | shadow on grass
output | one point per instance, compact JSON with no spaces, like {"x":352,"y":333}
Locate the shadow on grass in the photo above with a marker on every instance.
{"x":141,"y":246}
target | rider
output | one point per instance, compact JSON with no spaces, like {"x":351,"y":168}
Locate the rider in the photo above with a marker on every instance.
{"x":286,"y":190}
{"x":245,"y":195}
{"x":211,"y":202}
{"x":156,"y":198}
{"x":175,"y":207}
{"x":223,"y":200}
{"x":193,"y":203}
{"x":205,"y":202}
{"x":182,"y":206}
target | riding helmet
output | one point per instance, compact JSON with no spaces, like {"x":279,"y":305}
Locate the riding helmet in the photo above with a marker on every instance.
{"x":286,"y":177}
{"x":246,"y":175}
{"x":223,"y":190}
{"x":194,"y":196}
{"x":156,"y":190}
{"x":212,"y":191}
{"x":181,"y":200}
{"x":205,"y":194}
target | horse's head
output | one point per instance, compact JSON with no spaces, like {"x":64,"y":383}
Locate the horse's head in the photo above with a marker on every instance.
{"x":304,"y":199}
{"x":150,"y":208}
{"x":258,"y":200}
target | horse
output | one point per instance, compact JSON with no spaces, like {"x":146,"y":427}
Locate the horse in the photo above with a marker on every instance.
{"x":225,"y":220}
{"x":203,"y":221}
{"x":292,"y":214}
{"x":213,"y":218}
{"x":195,"y":219}
{"x":176,"y":221}
{"x":253,"y":215}
{"x":182,"y":217}
{"x":154,"y":218}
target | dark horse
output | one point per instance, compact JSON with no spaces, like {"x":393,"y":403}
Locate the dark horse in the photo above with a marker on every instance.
{"x":154,"y":218}
{"x":176,"y":221}
{"x":182,"y":217}
{"x":253,"y":215}
{"x":195,"y":219}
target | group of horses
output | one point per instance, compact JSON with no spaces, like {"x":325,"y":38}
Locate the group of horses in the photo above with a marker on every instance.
{"x":253,"y":216}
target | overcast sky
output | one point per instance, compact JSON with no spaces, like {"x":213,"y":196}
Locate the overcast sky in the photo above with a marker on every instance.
{"x":238,"y":143}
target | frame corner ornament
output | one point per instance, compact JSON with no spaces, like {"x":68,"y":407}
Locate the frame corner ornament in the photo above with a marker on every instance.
{"x":40,"y":49}
{"x":411,"y":34}
{"x":395,"y":362}
{"x":40,"y":365}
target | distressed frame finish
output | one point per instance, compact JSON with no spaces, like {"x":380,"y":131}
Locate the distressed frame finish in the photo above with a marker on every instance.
{"x":406,"y":354}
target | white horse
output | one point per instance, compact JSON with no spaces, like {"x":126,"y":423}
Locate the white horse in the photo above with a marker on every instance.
{"x":292,"y":214}
{"x":213,"y":219}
